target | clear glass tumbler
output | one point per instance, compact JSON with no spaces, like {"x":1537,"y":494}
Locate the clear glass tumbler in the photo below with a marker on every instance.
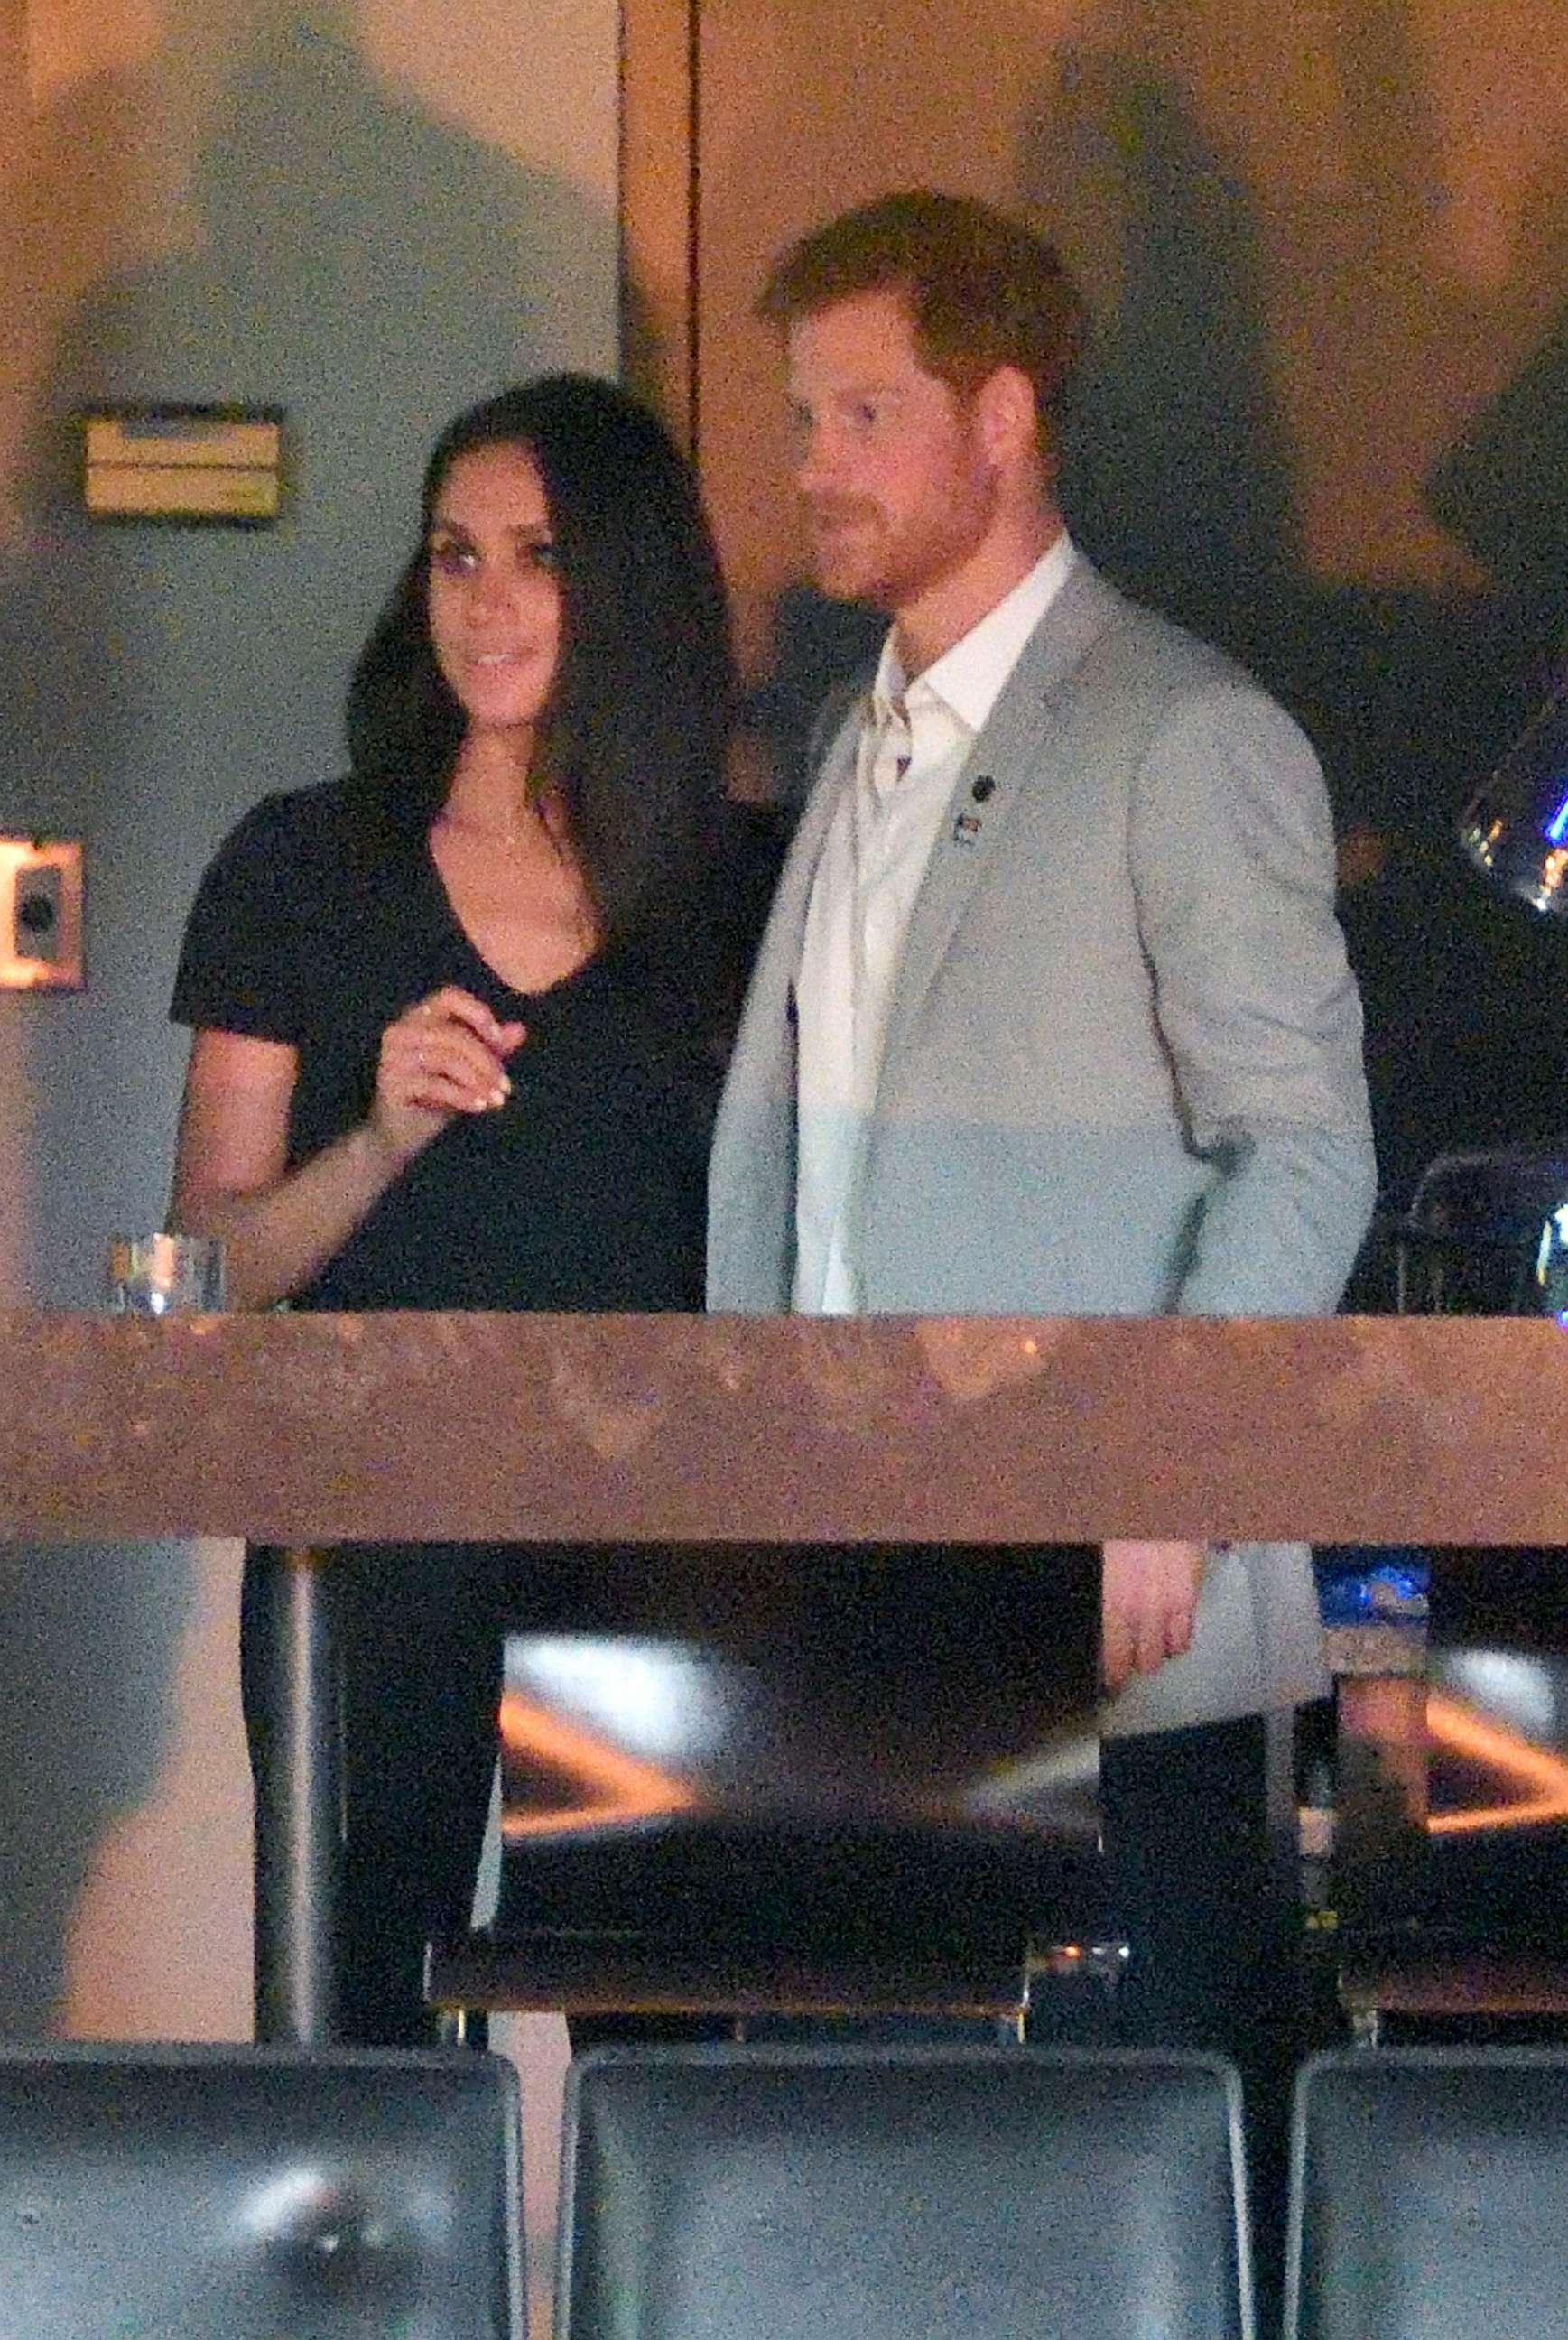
{"x":156,"y":1275}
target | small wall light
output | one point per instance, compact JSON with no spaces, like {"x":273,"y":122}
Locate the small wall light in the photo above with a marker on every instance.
{"x":40,"y":914}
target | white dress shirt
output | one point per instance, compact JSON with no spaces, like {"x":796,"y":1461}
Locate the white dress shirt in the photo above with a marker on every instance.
{"x":915,"y":740}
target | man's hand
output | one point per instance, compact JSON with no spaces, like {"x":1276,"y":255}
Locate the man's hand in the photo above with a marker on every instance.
{"x":1148,"y":1599}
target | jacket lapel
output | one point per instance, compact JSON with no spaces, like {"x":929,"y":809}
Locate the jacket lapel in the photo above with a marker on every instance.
{"x":763,"y":1062}
{"x":1005,"y":760}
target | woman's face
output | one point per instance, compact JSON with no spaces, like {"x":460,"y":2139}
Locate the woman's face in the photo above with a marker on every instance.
{"x":494,"y":595}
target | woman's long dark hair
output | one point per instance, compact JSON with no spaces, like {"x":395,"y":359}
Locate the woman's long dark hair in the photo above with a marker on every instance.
{"x":636,"y":732}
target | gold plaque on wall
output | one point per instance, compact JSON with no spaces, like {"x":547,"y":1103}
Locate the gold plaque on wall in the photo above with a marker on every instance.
{"x":200,"y":465}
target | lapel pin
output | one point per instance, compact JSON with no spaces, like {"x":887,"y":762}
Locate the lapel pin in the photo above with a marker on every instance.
{"x":983,"y":788}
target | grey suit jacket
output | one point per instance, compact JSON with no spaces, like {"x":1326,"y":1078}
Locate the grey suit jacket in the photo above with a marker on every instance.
{"x":1123,"y":1066}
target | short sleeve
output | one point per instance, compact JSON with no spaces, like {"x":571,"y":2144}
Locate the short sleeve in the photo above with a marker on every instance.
{"x":249,"y":949}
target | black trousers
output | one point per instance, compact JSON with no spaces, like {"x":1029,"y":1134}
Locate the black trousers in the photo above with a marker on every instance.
{"x":1200,"y":1839}
{"x":418,"y":1634}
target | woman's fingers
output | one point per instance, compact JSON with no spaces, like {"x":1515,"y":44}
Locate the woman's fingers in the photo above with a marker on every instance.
{"x":459,"y":1051}
{"x":452,"y":1003}
{"x":439,"y":1064}
{"x":443,"y":1056}
{"x":450,"y":1052}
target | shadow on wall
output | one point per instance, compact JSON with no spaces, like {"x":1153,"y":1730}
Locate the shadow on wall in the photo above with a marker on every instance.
{"x":371,"y":270}
{"x":1177,"y":484}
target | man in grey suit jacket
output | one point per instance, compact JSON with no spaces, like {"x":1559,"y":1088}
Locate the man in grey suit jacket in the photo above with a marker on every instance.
{"x":1072,"y":1032}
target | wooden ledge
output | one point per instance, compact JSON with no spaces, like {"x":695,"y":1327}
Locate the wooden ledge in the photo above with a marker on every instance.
{"x":302,"y":1428}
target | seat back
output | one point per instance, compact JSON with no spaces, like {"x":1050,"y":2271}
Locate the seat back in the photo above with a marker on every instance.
{"x":845,"y":2193}
{"x":850,"y":1779}
{"x":1429,"y":2194}
{"x":232,"y":2194}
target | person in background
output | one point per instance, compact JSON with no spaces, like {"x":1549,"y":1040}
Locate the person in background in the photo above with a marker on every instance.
{"x":1052,"y":1015}
{"x":453,"y":1035}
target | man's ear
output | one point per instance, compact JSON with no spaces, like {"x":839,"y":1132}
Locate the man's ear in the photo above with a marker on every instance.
{"x":1005,"y":414}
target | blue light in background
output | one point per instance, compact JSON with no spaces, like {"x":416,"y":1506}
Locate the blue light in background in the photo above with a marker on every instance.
{"x":1363,"y":1584}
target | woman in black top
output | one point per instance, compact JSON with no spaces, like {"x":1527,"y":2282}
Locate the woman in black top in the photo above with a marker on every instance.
{"x":453,"y":1030}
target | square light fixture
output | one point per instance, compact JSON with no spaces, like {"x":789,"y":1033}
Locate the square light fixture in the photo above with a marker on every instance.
{"x":40,"y":914}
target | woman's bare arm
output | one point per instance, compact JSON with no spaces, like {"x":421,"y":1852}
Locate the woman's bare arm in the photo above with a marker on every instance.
{"x":231,"y":1177}
{"x":280,"y":1226}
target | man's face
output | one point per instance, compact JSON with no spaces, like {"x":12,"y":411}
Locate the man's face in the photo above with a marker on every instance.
{"x":897,"y":491}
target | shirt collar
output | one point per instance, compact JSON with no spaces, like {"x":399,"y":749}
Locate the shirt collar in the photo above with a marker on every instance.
{"x":968,"y":679}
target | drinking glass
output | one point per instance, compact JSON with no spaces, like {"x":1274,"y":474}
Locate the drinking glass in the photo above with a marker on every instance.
{"x":156,"y":1275}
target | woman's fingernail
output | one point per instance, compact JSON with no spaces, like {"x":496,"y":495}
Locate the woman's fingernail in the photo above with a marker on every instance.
{"x":498,"y":1095}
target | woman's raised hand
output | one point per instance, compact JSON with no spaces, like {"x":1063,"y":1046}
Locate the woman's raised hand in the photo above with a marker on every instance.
{"x":444,"y":1056}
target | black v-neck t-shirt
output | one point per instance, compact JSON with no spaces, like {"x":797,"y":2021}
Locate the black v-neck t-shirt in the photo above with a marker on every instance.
{"x":584,"y":1190}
